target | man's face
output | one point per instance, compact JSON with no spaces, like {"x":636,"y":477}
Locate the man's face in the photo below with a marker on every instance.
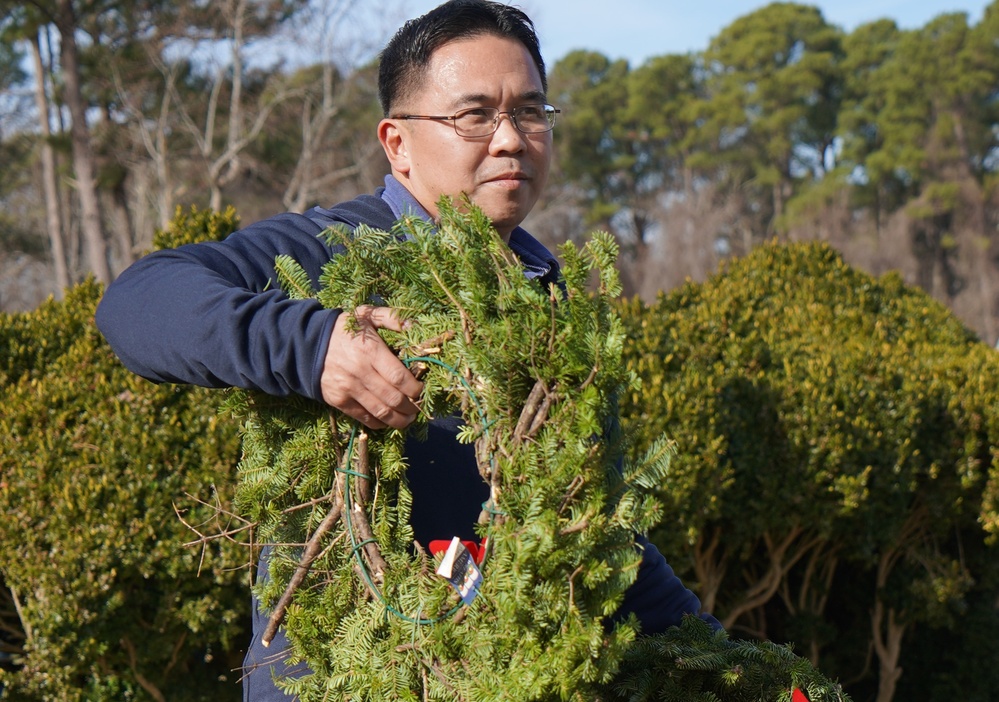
{"x":502,"y":173}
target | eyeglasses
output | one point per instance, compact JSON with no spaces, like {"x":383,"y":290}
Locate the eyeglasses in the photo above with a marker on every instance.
{"x":483,"y":121}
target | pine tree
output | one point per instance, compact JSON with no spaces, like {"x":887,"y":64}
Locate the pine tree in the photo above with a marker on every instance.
{"x":535,"y":373}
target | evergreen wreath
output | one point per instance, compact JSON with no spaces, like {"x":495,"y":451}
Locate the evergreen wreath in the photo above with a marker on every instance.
{"x":535,"y":374}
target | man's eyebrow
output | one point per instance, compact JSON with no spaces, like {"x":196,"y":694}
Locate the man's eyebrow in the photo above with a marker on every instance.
{"x":531,"y":96}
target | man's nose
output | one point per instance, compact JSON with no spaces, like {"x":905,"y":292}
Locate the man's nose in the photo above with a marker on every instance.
{"x":507,"y":137}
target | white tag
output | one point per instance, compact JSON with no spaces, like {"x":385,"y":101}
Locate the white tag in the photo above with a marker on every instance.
{"x":458,"y":568}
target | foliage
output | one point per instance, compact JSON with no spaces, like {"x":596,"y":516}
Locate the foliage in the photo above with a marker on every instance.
{"x":782,"y":124}
{"x":560,"y":519}
{"x":593,"y":92}
{"x":196,"y":225}
{"x":694,"y":664}
{"x":822,"y":418}
{"x":773,"y":90}
{"x":95,"y":462}
{"x":536,"y":380}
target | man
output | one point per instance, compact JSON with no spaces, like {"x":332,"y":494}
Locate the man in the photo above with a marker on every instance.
{"x":463,"y":91}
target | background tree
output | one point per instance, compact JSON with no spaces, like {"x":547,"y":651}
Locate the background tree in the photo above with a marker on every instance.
{"x":590,"y":160}
{"x":53,"y":214}
{"x":335,"y":110}
{"x":673,"y":202}
{"x":828,"y":440}
{"x":773,"y":88}
{"x":66,"y":16}
{"x":687,"y":160}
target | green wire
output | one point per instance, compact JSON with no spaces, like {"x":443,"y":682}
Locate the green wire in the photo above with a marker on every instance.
{"x":356,"y":547}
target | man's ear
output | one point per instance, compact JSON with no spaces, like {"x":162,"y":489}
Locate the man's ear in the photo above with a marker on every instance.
{"x":393,"y":138}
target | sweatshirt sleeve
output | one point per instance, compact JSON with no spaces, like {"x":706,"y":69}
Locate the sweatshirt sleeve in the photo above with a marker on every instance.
{"x":657,"y":597}
{"x":210,"y":314}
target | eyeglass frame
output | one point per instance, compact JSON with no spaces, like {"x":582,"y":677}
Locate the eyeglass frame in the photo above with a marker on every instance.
{"x":550,"y":112}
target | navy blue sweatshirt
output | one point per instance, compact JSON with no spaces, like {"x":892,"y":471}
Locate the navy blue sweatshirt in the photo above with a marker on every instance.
{"x":209,"y":314}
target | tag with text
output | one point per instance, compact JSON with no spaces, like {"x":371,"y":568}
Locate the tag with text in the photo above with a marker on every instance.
{"x":458,"y":568}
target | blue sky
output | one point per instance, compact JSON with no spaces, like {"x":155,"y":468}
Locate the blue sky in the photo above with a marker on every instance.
{"x":639,"y":29}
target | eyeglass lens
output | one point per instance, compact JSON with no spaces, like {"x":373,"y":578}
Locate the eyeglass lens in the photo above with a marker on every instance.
{"x":481,"y":121}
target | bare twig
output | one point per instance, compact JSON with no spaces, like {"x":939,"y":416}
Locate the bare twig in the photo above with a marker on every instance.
{"x":312,"y":549}
{"x":573,"y":528}
{"x":360,"y":518}
{"x":362,"y":486}
{"x":530,"y":411}
{"x":574,"y":487}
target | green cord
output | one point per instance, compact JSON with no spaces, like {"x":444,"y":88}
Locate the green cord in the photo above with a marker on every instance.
{"x":357,"y":547}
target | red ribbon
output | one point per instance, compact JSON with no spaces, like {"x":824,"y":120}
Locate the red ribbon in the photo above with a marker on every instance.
{"x":478,"y":551}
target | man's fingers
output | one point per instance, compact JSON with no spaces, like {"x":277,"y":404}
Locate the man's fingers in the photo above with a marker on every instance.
{"x":383,"y":360}
{"x":362,"y":376}
{"x":356,"y":411}
{"x":380,"y":317}
{"x":367,"y":408}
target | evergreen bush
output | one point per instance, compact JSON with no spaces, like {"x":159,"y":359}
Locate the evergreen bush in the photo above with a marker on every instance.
{"x":105,"y":600}
{"x":835,"y":433}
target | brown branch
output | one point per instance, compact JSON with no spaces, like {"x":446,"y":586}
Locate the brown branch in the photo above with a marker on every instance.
{"x":175,"y":654}
{"x":572,"y":577}
{"x":335,"y":435}
{"x":375,"y":560}
{"x":362,"y":486}
{"x":226,"y":533}
{"x":572,"y":529}
{"x":530,"y":411}
{"x":553,"y":316}
{"x":710,"y":571}
{"x":574,"y":487}
{"x":590,"y":378}
{"x":428,"y":347}
{"x":764,"y":588}
{"x":360,"y":518}
{"x":312,"y":550}
{"x":305,"y":505}
{"x":432,"y":346}
{"x":466,"y":326}
{"x":444,"y":681}
{"x":541,"y":416}
{"x":143,"y":681}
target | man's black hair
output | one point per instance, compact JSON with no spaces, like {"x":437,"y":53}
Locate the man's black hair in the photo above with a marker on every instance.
{"x":406,"y":56}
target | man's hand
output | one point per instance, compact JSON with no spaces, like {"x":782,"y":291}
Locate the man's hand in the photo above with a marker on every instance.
{"x":363,"y":378}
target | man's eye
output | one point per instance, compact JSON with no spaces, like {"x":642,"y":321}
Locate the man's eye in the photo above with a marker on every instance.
{"x":532,"y":112}
{"x":482,"y":113}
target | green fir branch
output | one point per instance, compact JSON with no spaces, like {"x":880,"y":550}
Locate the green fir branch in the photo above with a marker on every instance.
{"x":536,"y":376}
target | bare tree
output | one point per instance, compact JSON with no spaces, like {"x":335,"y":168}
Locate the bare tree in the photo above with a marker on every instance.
{"x":223,"y":164}
{"x":66,"y":22}
{"x":50,"y":185}
{"x":323,"y":103}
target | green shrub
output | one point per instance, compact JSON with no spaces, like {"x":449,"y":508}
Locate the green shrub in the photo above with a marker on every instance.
{"x":111,"y":604}
{"x":831,"y":428}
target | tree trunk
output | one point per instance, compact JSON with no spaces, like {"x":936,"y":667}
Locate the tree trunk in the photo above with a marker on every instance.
{"x":709,"y":569}
{"x":123,"y":231}
{"x":782,"y":555}
{"x":888,"y":646}
{"x":225,"y":169}
{"x":887,"y":637}
{"x":50,"y":185}
{"x":83,"y":159}
{"x":981,"y":235}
